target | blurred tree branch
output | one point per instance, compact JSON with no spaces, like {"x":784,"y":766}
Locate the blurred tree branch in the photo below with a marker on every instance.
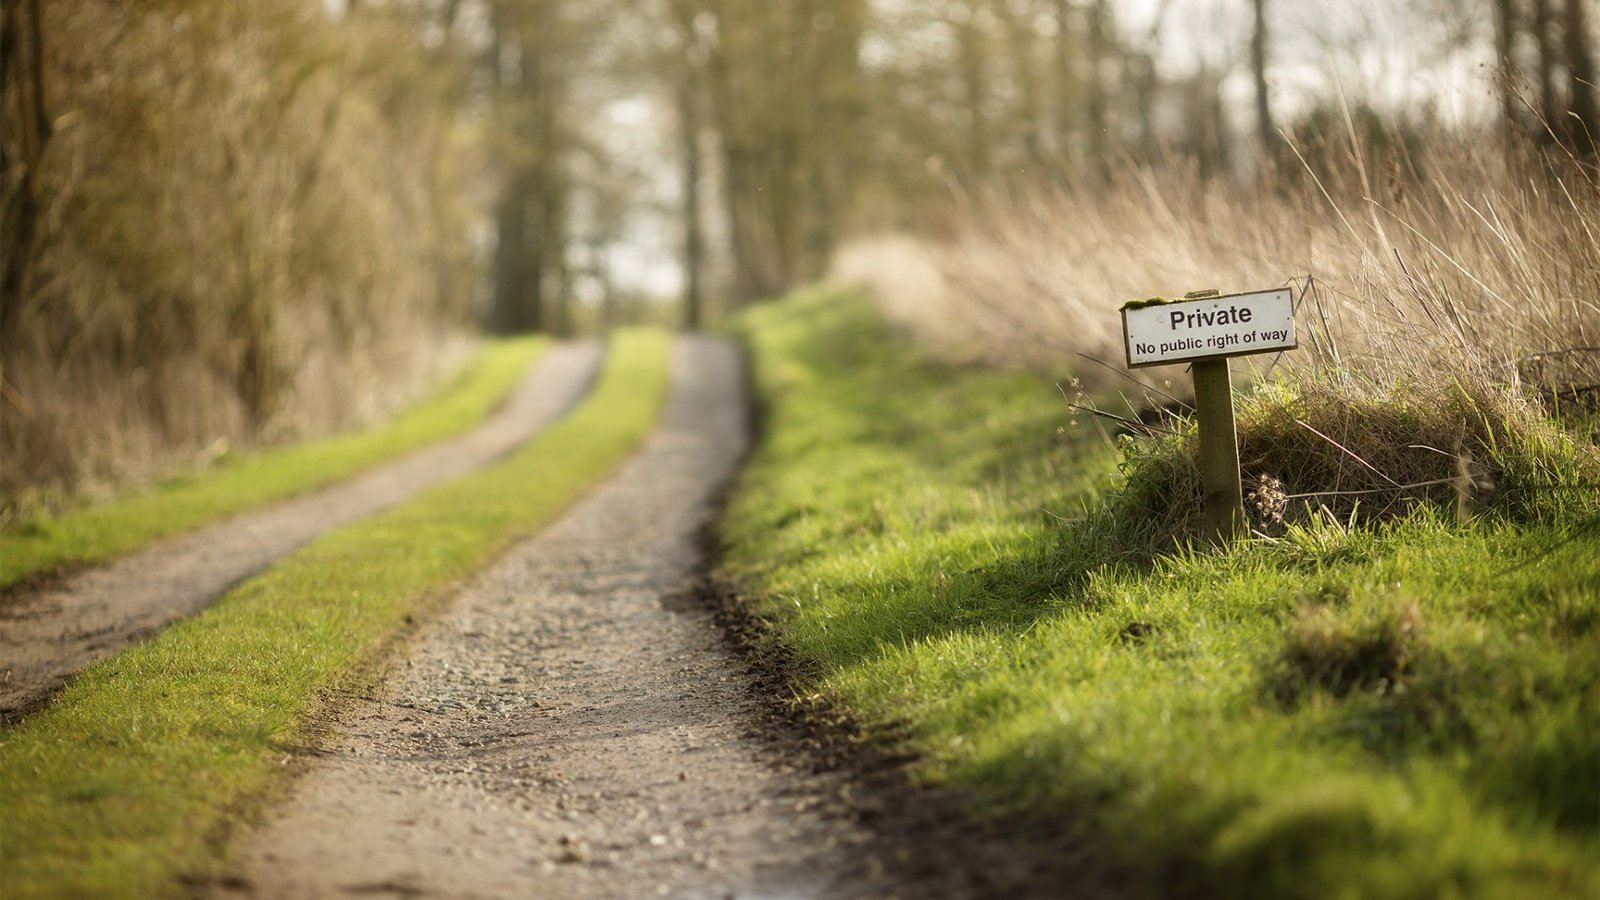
{"x":24,"y":93}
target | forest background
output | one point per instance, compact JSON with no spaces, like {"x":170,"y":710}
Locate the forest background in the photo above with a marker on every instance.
{"x":227,"y":225}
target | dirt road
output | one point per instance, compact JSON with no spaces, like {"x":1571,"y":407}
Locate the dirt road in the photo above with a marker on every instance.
{"x":568,"y":729}
{"x":575,"y":725}
{"x":48,"y":635}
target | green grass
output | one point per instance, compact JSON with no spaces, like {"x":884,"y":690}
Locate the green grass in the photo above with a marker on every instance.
{"x":115,"y":789}
{"x":1410,"y":709}
{"x":98,"y":531}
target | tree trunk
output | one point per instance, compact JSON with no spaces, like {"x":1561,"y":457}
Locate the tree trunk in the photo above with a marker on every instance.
{"x":735,"y":175}
{"x":22,"y":82}
{"x":1065,"y":82}
{"x":516,"y":271}
{"x":1096,"y":106}
{"x":547,"y":234}
{"x":512,"y":313}
{"x":1584,"y":104}
{"x":1258,"y":66}
{"x":1021,"y":33}
{"x":1504,"y":30}
{"x":530,"y":258}
{"x":975,"y":82}
{"x":693,"y":235}
{"x":1543,"y":24}
{"x":555,"y":281}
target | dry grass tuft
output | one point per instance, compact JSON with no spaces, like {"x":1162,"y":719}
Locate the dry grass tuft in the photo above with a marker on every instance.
{"x":1312,"y":448}
{"x":1338,"y":654}
{"x":1449,"y":313}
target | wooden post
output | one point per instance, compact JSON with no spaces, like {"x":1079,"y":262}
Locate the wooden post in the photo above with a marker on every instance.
{"x":1219,"y":450}
{"x":1205,"y":328}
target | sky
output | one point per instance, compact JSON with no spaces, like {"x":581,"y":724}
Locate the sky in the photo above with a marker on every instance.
{"x":1396,"y":54}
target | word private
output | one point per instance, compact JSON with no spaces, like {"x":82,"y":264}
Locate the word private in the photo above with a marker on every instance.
{"x":1160,"y":332}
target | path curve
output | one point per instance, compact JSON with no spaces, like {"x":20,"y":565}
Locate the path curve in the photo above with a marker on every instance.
{"x":570,"y":727}
{"x":47,"y":636}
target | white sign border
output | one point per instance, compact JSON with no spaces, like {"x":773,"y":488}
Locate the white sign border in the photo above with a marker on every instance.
{"x":1127,"y":346}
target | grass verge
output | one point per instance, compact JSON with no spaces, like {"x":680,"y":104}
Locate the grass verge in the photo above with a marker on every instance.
{"x":113,"y":789}
{"x":95,"y":532}
{"x":1406,"y":710}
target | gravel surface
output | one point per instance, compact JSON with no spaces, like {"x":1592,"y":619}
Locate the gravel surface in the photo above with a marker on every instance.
{"x":48,"y":634}
{"x":574,"y":725}
{"x":594,"y":717}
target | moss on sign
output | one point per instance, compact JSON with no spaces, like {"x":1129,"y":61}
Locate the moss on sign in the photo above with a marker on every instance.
{"x":1150,"y":301}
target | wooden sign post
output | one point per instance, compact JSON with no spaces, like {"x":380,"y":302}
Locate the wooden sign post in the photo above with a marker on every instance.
{"x":1207,"y":328}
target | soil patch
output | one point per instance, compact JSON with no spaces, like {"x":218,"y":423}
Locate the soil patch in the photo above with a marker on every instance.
{"x":920,"y":840}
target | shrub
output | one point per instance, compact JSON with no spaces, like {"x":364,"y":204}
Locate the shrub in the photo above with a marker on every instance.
{"x":245,"y":230}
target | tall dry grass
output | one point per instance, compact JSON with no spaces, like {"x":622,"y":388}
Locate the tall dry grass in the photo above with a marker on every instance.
{"x":1449,"y":304}
{"x":252,"y":227}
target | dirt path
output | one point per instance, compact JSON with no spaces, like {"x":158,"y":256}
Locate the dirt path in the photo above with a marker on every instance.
{"x":576,"y":725}
{"x":48,"y":635}
{"x":569,"y":728}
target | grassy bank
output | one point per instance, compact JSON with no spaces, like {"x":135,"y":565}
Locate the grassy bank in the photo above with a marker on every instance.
{"x":1465,"y":266}
{"x":1404,"y":710}
{"x":115,"y":789}
{"x":106,"y":529}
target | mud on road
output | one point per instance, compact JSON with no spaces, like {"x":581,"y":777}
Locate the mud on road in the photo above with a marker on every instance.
{"x":47,"y":635}
{"x":576,"y":724}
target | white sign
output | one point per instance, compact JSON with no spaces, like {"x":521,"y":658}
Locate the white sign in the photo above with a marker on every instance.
{"x":1236,"y":325}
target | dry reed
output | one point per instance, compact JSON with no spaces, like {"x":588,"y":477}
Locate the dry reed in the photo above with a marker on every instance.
{"x":1449,"y":303}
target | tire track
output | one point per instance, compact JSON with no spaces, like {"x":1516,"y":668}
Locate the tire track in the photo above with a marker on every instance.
{"x":569,"y":728}
{"x":48,"y":635}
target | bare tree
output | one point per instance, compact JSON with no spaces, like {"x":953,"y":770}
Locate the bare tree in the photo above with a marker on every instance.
{"x":1099,"y":50}
{"x":1545,"y":42}
{"x":24,"y":89}
{"x":1258,"y":68}
{"x":1584,"y":101}
{"x":690,"y":67}
{"x":1505,"y":29}
{"x":535,"y":55}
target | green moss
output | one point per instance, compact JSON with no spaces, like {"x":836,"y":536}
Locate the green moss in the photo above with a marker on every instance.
{"x":1150,"y":301}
